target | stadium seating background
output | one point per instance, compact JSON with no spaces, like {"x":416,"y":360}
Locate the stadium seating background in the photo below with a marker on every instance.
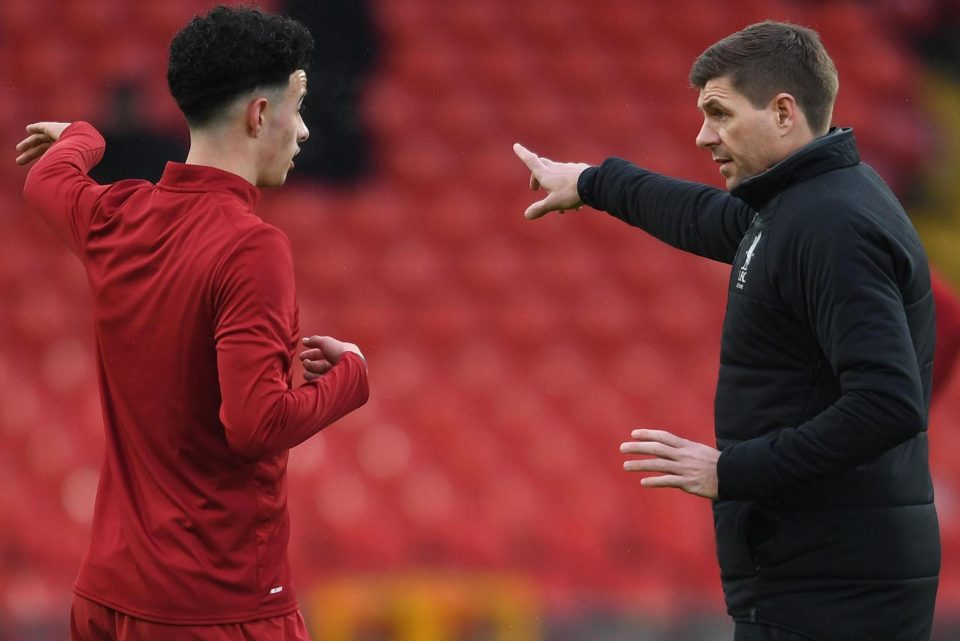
{"x":508,"y":358}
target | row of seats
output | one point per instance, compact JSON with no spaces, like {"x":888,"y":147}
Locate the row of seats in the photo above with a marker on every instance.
{"x":508,"y":358}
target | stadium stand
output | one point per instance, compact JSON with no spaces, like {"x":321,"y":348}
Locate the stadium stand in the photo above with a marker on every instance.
{"x":508,"y":359}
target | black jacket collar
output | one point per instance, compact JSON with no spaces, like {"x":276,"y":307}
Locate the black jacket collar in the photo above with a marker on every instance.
{"x":836,"y":149}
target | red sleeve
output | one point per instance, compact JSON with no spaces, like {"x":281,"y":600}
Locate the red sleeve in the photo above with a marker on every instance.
{"x":58,"y":185}
{"x":255,"y":310}
{"x":947,"y":306}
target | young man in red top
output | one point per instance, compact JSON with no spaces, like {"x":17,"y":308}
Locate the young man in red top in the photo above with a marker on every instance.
{"x":197,"y":332}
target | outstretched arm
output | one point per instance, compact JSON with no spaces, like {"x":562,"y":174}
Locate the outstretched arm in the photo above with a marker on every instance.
{"x":695,"y":218}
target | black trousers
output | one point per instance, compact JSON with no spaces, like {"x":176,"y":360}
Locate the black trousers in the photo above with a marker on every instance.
{"x":762,"y":632}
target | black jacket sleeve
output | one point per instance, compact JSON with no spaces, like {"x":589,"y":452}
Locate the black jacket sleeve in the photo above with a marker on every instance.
{"x":696,"y":218}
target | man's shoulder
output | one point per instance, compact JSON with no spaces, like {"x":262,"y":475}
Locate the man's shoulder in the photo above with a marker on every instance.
{"x":839,"y":186}
{"x":851,"y":197}
{"x":236,"y":219}
{"x":228,"y":228}
{"x":252,"y":248}
{"x":252,"y":233}
{"x":842,"y":214}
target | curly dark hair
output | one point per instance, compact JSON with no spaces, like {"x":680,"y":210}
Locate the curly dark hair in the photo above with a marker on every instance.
{"x":229,"y":51}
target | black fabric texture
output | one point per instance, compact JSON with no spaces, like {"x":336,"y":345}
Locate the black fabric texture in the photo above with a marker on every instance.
{"x":826,"y":523}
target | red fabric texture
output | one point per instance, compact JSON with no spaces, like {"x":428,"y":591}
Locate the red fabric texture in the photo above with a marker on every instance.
{"x":197,"y":330}
{"x":90,"y":621}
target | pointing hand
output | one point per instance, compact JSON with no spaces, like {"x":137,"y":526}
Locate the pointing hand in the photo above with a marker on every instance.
{"x":558,"y":179}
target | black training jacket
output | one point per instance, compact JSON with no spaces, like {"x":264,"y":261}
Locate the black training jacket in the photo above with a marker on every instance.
{"x":825,"y":523}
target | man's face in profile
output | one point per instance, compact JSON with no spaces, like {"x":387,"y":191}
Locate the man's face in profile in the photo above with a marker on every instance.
{"x":741,"y":137}
{"x":284,"y":131}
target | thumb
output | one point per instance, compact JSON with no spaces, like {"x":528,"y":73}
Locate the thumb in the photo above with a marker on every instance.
{"x":538,"y":209}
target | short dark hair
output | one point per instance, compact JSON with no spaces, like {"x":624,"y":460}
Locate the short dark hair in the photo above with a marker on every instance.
{"x":229,"y":51}
{"x":767,"y":58}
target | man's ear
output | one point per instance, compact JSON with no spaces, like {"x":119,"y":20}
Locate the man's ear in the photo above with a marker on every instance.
{"x":788,"y":113}
{"x":255,"y":115}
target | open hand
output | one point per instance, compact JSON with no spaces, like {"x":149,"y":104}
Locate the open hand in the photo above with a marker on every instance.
{"x":41,"y":136}
{"x":558,"y":179}
{"x":683,"y":464}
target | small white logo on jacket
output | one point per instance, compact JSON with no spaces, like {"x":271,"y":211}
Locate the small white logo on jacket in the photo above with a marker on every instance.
{"x":742,"y":276}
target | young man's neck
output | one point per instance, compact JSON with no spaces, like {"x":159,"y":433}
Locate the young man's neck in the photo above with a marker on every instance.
{"x":218,"y":149}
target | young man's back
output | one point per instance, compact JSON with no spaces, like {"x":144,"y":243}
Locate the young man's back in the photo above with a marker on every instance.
{"x":197,"y":329}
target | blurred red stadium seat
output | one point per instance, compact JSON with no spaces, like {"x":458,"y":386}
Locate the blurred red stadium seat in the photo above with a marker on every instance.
{"x":512,"y":355}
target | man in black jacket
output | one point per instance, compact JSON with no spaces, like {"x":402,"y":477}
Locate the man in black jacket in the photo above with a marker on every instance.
{"x":823,"y":503}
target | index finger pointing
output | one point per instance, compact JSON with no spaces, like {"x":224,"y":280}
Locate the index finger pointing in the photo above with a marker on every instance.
{"x":530,"y":159}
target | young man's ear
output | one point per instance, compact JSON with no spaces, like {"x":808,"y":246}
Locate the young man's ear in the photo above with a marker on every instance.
{"x":255,"y":116}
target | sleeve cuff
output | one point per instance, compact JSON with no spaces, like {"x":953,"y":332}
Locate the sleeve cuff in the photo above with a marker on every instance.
{"x":733,"y":480}
{"x":586,"y":186}
{"x":745,"y":471}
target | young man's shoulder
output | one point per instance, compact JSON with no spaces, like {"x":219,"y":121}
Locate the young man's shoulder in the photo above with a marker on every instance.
{"x":229,"y":217}
{"x":250,"y":232}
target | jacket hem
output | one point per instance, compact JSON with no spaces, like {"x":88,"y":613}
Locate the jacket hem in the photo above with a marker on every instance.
{"x":282,"y":610}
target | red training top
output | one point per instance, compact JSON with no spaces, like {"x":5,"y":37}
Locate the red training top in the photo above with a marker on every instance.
{"x":197,"y":332}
